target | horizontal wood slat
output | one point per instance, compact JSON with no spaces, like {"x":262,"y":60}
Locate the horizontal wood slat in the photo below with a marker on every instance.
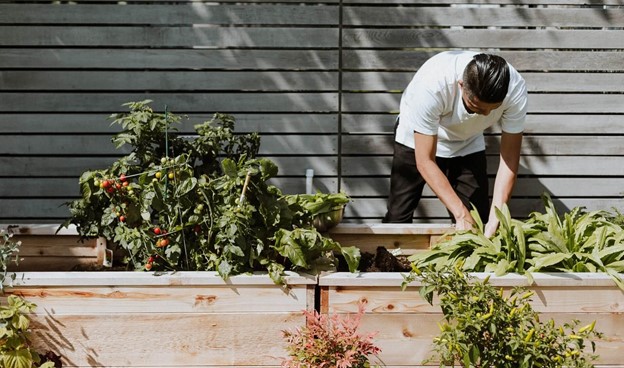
{"x":482,"y":16}
{"x":154,"y":37}
{"x":543,"y":60}
{"x":168,"y":81}
{"x":191,"y":102}
{"x":50,"y":166}
{"x":559,"y":124}
{"x":101,"y":123}
{"x":574,"y":166}
{"x":520,"y":207}
{"x":147,"y":58}
{"x":155,"y":14}
{"x":531,"y":145}
{"x":69,"y":187}
{"x":524,"y":187}
{"x":479,"y":2}
{"x":101,"y":145}
{"x":581,"y":103}
{"x":502,"y":38}
{"x":535,"y":82}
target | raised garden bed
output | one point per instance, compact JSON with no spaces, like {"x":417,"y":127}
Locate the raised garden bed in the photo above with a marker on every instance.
{"x":407,"y":324}
{"x":136,"y":319}
{"x":197,"y":319}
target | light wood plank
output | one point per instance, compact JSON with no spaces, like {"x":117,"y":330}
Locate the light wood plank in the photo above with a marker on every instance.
{"x":165,"y":339}
{"x":156,"y":14}
{"x":155,"y":37}
{"x":116,"y":300}
{"x":152,"y":279}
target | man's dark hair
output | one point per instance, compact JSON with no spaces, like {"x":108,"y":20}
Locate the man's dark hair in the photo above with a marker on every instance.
{"x":487,"y":77}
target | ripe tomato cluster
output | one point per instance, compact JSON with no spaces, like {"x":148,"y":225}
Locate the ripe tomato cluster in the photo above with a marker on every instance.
{"x":116,"y":186}
{"x":113,"y":185}
{"x":162,"y":240}
{"x":150,"y":262}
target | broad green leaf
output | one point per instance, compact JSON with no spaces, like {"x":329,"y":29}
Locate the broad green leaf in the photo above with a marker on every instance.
{"x":352,"y":257}
{"x":548,"y":260}
{"x":21,"y":358}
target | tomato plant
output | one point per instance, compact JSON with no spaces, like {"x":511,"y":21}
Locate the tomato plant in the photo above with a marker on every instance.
{"x":191,"y":188}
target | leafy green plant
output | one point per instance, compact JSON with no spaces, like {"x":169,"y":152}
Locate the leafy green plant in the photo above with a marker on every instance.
{"x":320,"y":203}
{"x":484,"y":327}
{"x":8,"y":253}
{"x":201,"y":203}
{"x":330,"y":342}
{"x":578,"y":241}
{"x":15,"y":348}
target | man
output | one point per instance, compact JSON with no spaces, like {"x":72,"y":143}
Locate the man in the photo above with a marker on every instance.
{"x":444,"y":110}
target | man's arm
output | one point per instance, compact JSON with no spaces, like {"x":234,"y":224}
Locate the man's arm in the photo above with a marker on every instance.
{"x":426,"y":163}
{"x":505,"y":177}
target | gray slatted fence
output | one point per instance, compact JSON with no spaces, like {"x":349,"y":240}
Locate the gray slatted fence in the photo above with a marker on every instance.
{"x":320,"y":80}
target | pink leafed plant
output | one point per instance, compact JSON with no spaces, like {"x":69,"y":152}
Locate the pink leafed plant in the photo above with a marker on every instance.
{"x":330,"y":342}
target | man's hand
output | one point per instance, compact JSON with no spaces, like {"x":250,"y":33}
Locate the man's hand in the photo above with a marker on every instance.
{"x":464,"y":221}
{"x":490,"y":228}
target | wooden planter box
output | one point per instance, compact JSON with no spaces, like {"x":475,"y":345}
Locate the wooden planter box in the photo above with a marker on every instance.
{"x":136,"y":319}
{"x":407,"y":324}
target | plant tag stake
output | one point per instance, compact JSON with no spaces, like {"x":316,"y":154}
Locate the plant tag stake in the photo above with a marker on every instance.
{"x":241,"y":200}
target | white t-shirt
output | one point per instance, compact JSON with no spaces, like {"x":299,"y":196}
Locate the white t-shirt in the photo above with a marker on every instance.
{"x":432,"y":105}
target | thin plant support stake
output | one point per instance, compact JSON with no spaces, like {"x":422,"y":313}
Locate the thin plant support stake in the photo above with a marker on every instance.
{"x":241,"y":200}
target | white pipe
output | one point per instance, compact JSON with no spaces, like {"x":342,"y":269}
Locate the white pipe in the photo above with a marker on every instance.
{"x":309,"y":177}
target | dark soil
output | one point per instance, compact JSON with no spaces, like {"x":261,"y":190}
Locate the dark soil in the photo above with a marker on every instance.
{"x":381,"y":261}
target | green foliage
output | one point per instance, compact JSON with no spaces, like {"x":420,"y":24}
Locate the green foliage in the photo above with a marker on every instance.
{"x":197,"y":204}
{"x":578,"y":241}
{"x":330,"y":342}
{"x":483,"y":327}
{"x":320,"y":203}
{"x":15,"y":349}
{"x":8,"y":253}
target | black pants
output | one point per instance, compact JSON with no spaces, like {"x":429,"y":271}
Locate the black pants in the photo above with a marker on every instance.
{"x":467,"y":175}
